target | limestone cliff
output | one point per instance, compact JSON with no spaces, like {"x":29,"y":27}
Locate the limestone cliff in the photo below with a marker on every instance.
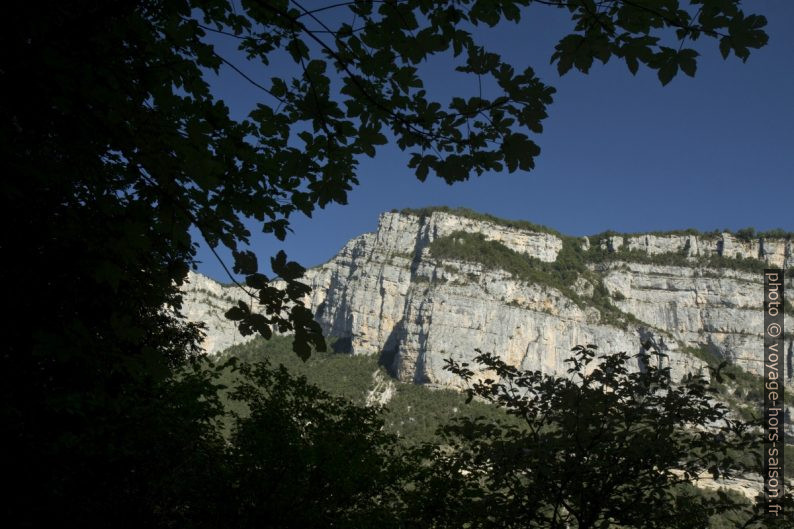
{"x":395,"y":294}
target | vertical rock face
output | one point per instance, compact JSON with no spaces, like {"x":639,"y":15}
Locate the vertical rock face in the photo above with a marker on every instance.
{"x":720,"y":310}
{"x":386,"y":294}
{"x":776,"y":252}
{"x":206,"y":301}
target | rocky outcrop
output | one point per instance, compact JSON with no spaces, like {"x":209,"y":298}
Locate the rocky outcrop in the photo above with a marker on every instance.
{"x":716,"y":309}
{"x":776,"y":252}
{"x":748,"y":485}
{"x":382,"y":390}
{"x":206,"y":301}
{"x":386,"y":294}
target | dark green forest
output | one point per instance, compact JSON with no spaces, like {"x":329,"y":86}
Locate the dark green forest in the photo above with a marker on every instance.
{"x":415,"y":413}
{"x":434,"y":439}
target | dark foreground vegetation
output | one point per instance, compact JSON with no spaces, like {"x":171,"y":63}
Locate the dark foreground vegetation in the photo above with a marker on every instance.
{"x":601,"y":447}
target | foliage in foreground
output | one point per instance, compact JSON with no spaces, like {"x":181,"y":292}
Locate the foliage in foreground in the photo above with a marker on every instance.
{"x":413,"y":414}
{"x":602,"y":446}
{"x":607,"y":444}
{"x":598,"y":446}
{"x":302,"y":458}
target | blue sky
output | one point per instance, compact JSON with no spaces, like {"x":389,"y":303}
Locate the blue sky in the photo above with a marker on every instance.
{"x":618,"y":151}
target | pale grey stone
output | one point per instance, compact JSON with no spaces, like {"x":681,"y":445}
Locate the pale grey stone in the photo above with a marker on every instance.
{"x":386,"y":295}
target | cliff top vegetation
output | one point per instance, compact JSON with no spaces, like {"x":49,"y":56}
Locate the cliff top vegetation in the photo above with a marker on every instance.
{"x":743,"y":234}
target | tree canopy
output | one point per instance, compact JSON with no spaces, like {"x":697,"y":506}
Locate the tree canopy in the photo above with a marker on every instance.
{"x":115,"y":147}
{"x":607,"y":445}
{"x":116,"y":116}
